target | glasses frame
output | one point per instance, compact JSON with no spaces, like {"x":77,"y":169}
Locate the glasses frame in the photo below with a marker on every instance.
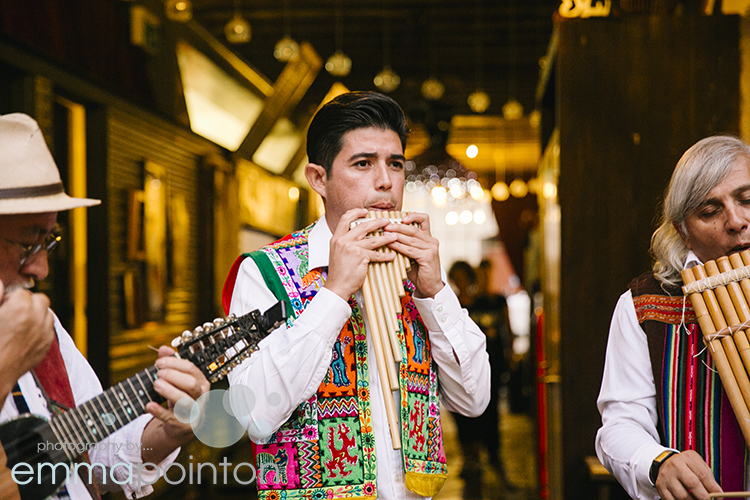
{"x":28,"y":251}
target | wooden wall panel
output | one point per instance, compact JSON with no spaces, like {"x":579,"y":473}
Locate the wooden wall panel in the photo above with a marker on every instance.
{"x":632,"y":94}
{"x":134,"y":139}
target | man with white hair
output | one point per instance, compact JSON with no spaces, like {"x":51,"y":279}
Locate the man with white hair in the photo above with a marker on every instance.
{"x":42,"y":371}
{"x":667,"y":428}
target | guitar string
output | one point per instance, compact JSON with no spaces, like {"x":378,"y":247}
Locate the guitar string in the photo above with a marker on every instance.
{"x":22,"y":445}
{"x":59,"y":426}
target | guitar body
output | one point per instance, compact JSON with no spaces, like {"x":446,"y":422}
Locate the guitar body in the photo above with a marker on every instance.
{"x":28,"y":439}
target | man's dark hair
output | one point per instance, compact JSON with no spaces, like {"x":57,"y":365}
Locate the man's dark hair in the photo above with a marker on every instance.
{"x":349,"y":112}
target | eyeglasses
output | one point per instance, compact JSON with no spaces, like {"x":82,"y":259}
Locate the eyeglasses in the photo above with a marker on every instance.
{"x":28,"y":251}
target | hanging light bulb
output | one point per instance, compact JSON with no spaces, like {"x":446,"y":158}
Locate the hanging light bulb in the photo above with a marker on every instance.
{"x":518,"y":188}
{"x":286,"y":49}
{"x":479,"y":101}
{"x":238,"y":30}
{"x":339,"y":64}
{"x":387,"y":80}
{"x":500,"y":191}
{"x":512,"y":110}
{"x":180,"y":11}
{"x":432,"y":89}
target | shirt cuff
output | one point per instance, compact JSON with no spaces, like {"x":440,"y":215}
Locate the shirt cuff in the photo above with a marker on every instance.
{"x":135,"y":477}
{"x":440,"y":312}
{"x":642,"y":461}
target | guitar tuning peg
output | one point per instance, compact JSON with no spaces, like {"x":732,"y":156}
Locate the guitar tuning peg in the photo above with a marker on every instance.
{"x":232,"y":317}
{"x":186,"y":335}
{"x":208,"y":325}
{"x":176,"y":342}
{"x":218,"y":322}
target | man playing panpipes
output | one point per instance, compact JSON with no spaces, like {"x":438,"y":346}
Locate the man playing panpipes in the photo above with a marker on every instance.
{"x":314,"y":403}
{"x":668,"y":429}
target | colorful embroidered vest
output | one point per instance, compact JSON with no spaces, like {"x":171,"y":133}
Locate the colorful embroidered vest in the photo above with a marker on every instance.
{"x":326,"y":450}
{"x":694,"y":412}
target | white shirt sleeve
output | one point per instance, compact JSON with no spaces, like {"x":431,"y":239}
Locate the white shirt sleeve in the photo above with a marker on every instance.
{"x":628,"y":441}
{"x":291,"y":362}
{"x":460,"y":351}
{"x":120,"y":452}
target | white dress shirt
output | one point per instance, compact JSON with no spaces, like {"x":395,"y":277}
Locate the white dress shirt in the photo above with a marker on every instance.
{"x":628,"y":441}
{"x":291,"y":362}
{"x":120,"y":448}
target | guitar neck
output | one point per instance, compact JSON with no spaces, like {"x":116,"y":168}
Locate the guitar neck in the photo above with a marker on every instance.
{"x":97,"y":418}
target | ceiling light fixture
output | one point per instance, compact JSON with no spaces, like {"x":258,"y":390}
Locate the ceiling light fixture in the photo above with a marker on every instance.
{"x":238,"y":30}
{"x":287,"y":48}
{"x":387,"y":80}
{"x":339,"y":64}
{"x":478,"y":100}
{"x":180,"y":11}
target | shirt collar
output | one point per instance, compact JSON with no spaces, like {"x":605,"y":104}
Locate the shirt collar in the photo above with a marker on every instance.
{"x":691,"y":260}
{"x":319,"y":242}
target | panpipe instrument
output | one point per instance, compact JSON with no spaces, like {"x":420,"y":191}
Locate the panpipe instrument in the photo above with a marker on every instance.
{"x":382,"y":290}
{"x":720,"y":292}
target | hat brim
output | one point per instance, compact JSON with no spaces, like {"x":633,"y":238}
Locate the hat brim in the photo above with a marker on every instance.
{"x":43,"y":204}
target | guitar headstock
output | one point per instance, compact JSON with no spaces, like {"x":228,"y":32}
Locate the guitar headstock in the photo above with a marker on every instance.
{"x":217,"y":347}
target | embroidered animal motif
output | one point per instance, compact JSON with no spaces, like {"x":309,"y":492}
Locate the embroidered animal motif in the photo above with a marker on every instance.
{"x":338,"y":365}
{"x":272,"y":468}
{"x":417,"y":422}
{"x":343,"y":446}
{"x":418,"y":348}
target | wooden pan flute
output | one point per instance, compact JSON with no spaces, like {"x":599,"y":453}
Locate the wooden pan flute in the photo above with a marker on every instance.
{"x":382,"y":290}
{"x":720,"y":293}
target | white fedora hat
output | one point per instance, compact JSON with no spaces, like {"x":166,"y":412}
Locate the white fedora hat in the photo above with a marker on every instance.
{"x":29,"y":179}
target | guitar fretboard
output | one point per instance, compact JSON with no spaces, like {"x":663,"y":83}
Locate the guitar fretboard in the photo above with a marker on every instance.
{"x":97,"y":418}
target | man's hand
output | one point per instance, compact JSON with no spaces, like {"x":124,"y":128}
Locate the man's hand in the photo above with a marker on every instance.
{"x":177,"y":379}
{"x":417,"y":243}
{"x":686,"y":476}
{"x":26,"y":333}
{"x":351,"y":252}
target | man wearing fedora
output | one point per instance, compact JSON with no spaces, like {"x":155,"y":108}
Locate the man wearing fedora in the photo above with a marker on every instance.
{"x":41,"y":369}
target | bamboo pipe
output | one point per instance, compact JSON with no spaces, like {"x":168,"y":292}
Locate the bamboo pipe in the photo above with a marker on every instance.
{"x":380,"y":359}
{"x":740,"y":305}
{"x":720,"y":359}
{"x":730,"y":348}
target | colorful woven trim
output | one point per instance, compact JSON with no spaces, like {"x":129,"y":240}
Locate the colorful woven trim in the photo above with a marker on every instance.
{"x":664,"y":309}
{"x":327,"y":448}
{"x":691,"y":395}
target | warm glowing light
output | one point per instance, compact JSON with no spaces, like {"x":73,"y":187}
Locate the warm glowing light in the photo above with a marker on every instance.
{"x":549,"y":190}
{"x":476,"y":192}
{"x":293,"y":193}
{"x":457,"y":190}
{"x":466,"y":217}
{"x":339,"y":64}
{"x":500,"y":191}
{"x":472,"y":151}
{"x":237,"y":30}
{"x":479,"y":217}
{"x":451,"y":218}
{"x":286,"y":49}
{"x":180,"y":11}
{"x":387,"y":80}
{"x":432,"y":89}
{"x":518,"y":188}
{"x":534,"y":185}
{"x":439,"y":194}
{"x":512,"y":110}
{"x":479,"y":101}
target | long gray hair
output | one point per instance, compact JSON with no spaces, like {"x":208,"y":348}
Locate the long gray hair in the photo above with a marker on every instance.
{"x":703,"y":166}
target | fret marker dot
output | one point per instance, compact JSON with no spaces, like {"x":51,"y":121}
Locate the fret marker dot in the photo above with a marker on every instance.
{"x":108,"y":418}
